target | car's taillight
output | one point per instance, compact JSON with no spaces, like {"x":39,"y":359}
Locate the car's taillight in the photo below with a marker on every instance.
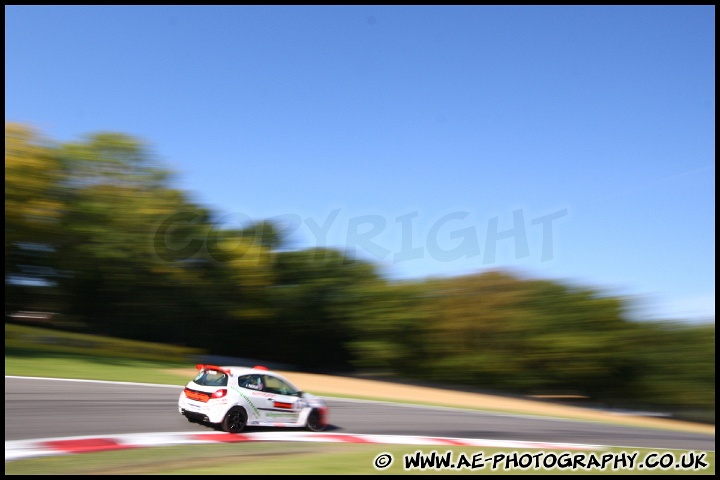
{"x":219,"y":393}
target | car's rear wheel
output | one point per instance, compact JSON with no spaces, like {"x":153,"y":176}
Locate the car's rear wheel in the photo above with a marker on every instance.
{"x":235,"y":420}
{"x":314,"y":422}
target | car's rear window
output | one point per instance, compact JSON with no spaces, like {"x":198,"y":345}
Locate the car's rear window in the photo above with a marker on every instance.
{"x":211,"y":378}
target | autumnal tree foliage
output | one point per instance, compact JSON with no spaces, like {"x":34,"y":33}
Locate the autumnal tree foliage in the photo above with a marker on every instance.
{"x":96,"y":233}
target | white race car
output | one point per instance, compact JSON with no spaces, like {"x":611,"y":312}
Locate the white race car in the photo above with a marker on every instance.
{"x":236,"y":397}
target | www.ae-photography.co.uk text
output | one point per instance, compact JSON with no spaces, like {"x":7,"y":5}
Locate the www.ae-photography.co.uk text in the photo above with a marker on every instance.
{"x":448,"y":238}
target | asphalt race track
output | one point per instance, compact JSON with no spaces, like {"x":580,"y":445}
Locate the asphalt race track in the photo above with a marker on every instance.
{"x":48,"y":408}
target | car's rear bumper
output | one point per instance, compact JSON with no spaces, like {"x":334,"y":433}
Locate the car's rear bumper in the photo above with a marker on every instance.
{"x":195,"y":417}
{"x":203,"y":411}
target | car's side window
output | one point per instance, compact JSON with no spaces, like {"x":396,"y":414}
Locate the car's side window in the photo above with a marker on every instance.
{"x":253,"y":382}
{"x":275,"y":385}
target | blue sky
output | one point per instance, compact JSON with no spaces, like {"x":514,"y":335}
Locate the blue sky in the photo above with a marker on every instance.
{"x":567,"y":143}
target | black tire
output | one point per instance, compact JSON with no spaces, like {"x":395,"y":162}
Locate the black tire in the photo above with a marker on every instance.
{"x":235,"y":420}
{"x":314,"y":422}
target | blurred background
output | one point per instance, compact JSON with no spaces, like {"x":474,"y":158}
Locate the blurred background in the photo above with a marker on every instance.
{"x":104,"y":238}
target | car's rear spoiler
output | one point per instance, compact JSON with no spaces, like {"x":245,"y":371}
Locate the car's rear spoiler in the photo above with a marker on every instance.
{"x":201,"y":366}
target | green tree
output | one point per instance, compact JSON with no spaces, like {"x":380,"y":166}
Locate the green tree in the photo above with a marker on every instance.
{"x":118,"y":273}
{"x":312,"y":293}
{"x":34,"y":209}
{"x":389,"y":322}
{"x":496,"y":330}
{"x":577,"y":340}
{"x":676,"y":365}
